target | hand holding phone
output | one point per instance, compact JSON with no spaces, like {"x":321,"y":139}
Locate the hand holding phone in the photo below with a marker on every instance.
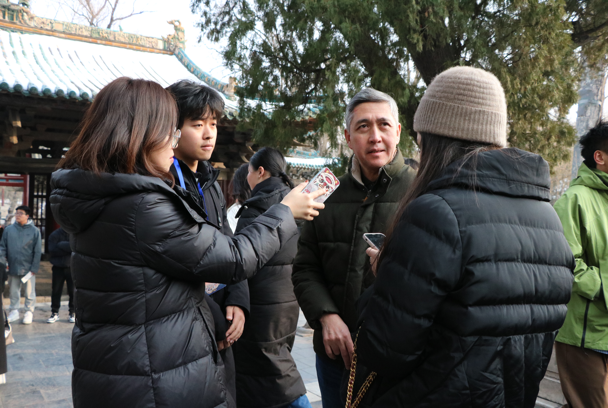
{"x":323,"y":179}
{"x":374,"y":239}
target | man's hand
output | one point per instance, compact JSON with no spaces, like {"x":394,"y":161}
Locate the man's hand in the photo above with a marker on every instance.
{"x":373,"y":258}
{"x":337,"y":339}
{"x":236,"y":317}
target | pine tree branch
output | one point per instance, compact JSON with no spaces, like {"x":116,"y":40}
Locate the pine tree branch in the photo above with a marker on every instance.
{"x":584,"y":37}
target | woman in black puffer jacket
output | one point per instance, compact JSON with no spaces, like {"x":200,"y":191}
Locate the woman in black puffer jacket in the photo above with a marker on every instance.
{"x":474,"y":278}
{"x":141,"y":255}
{"x":266,"y":374}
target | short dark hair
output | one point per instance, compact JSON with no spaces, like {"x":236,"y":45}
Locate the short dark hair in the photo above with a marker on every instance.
{"x":595,"y":139}
{"x":25,"y":209}
{"x":196,"y":101}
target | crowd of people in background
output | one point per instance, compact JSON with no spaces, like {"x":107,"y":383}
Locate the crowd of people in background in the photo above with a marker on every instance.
{"x":179,"y":300}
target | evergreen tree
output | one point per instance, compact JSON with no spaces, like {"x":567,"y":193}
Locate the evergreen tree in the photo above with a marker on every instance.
{"x":294,"y":56}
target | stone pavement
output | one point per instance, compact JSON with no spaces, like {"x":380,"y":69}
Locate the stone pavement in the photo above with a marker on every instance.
{"x":40,"y":363}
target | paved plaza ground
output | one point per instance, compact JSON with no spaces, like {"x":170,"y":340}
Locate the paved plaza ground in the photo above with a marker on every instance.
{"x":40,"y":363}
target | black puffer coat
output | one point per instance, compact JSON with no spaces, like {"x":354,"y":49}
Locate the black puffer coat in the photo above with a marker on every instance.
{"x":144,"y":334}
{"x":266,"y":374}
{"x":471,"y":293}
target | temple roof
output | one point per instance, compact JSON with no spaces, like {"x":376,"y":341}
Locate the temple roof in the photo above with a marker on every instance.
{"x":47,"y":58}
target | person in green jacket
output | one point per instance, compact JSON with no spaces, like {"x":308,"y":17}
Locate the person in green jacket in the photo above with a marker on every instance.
{"x":582,"y":343}
{"x":331,"y":268}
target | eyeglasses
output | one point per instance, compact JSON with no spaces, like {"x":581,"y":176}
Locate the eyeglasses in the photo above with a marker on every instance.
{"x":19,"y":213}
{"x":175,"y":138}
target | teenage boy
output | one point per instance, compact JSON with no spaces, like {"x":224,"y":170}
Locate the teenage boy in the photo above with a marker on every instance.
{"x":581,"y":346}
{"x":21,"y":247}
{"x":200,"y":110}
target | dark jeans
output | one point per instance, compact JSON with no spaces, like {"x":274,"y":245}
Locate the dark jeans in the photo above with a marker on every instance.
{"x":61,"y":275}
{"x":329,"y":375}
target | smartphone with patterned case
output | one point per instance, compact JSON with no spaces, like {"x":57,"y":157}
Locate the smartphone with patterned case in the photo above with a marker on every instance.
{"x":323,"y":179}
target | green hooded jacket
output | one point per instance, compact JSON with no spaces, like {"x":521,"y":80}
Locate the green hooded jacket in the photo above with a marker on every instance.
{"x":583,"y":210}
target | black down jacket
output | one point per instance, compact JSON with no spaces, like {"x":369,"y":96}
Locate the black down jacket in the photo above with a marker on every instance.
{"x":266,"y":374}
{"x":144,"y":334}
{"x":472,"y":290}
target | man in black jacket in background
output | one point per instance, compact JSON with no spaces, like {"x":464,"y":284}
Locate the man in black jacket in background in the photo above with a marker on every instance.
{"x":200,"y":109}
{"x":61,"y":254}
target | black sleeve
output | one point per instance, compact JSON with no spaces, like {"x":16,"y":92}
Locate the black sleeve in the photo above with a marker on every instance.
{"x":183,"y":249}
{"x":53,"y":241}
{"x":219,"y":320}
{"x":64,"y":246}
{"x":57,"y":247}
{"x":237,"y":294}
{"x":422,"y":265}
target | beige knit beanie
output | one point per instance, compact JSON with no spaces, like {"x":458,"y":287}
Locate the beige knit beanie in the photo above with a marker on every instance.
{"x":464,"y":103}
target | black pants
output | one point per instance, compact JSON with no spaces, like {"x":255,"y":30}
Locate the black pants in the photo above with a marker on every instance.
{"x":61,"y":275}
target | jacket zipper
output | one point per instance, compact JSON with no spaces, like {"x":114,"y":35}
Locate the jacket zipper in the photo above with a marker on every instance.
{"x":585,"y":324}
{"x":217,"y":211}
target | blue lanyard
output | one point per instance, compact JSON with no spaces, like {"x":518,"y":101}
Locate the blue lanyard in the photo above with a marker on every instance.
{"x":182,"y":183}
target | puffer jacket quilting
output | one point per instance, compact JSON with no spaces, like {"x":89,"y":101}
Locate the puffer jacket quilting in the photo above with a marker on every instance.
{"x":266,"y":374}
{"x":144,"y":334}
{"x":471,"y":293}
{"x":331,"y":269}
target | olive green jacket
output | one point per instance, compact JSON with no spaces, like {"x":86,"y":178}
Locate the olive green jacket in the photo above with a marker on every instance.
{"x":331,"y":269}
{"x":583,"y":210}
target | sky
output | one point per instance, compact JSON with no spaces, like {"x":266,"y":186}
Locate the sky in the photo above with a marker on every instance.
{"x":152,"y":23}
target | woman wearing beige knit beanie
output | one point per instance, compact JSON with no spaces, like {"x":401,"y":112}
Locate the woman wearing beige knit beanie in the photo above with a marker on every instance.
{"x":474,"y":277}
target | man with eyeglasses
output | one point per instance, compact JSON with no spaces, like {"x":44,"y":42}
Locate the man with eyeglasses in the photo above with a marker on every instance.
{"x":200,"y":110}
{"x":20,"y":248}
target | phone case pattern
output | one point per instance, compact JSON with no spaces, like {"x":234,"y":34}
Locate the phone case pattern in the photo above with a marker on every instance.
{"x":211,"y":288}
{"x":323,"y":179}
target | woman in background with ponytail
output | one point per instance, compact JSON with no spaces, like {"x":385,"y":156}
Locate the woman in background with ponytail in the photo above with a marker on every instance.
{"x":266,"y":374}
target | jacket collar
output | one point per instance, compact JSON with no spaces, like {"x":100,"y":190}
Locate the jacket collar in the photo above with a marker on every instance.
{"x":28,"y":224}
{"x":261,"y":196}
{"x":390,"y":169}
{"x":267,"y":186}
{"x":510,"y":172}
{"x":592,"y":178}
{"x":207,"y":174}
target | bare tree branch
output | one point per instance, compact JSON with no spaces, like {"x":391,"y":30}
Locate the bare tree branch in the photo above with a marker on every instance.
{"x":98,"y":13}
{"x":114,"y":19}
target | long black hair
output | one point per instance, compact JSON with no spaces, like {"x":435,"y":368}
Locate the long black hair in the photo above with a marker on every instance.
{"x":239,"y":188}
{"x":273,"y":162}
{"x":437,"y":153}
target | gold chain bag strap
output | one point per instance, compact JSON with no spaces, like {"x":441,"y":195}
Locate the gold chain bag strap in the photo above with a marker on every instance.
{"x":351,"y":380}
